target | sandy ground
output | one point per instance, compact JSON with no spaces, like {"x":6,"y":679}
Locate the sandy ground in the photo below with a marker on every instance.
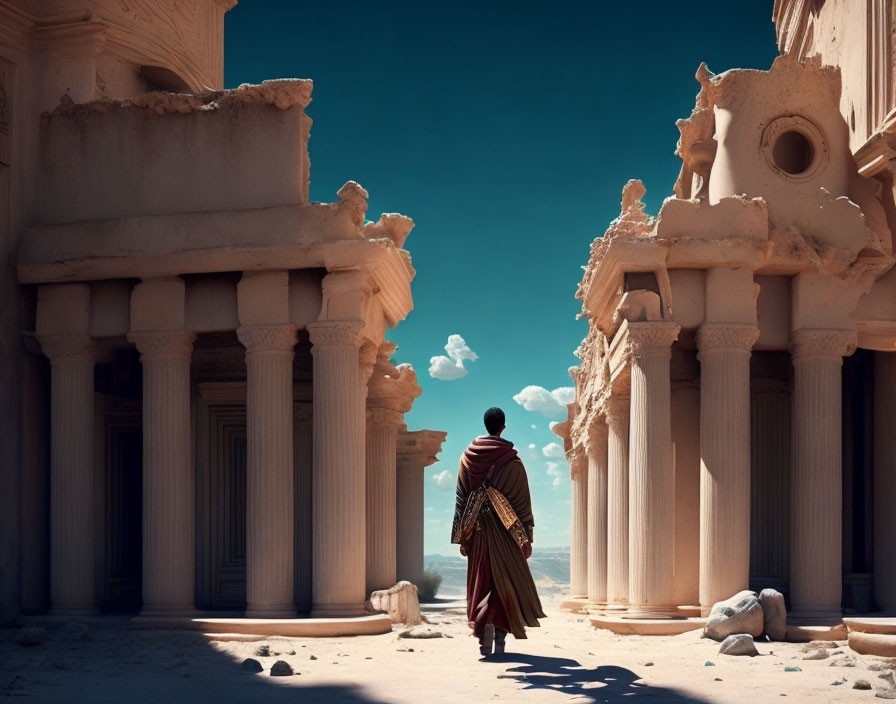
{"x":564,"y":661}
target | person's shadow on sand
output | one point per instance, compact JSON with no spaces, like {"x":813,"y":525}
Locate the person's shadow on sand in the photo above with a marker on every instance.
{"x":605,"y":683}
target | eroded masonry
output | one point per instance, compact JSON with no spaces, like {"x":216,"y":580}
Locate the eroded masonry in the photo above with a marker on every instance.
{"x":732,"y":426}
{"x":200,"y":407}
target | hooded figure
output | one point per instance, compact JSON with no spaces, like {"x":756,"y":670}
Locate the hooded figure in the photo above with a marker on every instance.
{"x":493,"y":524}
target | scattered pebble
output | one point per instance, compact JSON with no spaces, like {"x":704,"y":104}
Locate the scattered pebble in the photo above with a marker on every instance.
{"x":861,"y":684}
{"x":648,"y":664}
{"x":820,"y":654}
{"x":709,"y":663}
{"x":252,"y":665}
{"x":790,"y":668}
{"x":281,"y":668}
{"x":314,"y":657}
{"x":263,"y":651}
{"x":885,"y":694}
{"x":717,"y":679}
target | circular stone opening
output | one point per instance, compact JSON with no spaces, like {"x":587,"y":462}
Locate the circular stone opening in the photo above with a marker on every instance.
{"x":793,"y":152}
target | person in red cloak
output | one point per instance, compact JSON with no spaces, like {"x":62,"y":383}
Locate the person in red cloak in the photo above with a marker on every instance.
{"x":494,"y":526}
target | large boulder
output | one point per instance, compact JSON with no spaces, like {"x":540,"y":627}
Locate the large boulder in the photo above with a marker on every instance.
{"x":400,"y":602}
{"x":742,"y":613}
{"x":774,"y":614}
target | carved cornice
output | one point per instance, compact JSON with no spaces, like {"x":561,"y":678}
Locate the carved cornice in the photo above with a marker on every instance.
{"x":808,"y":344}
{"x":168,"y":343}
{"x":335,"y":333}
{"x":653,"y":338}
{"x":384,"y":419}
{"x":62,"y":348}
{"x":726,"y":336}
{"x":267,"y":338}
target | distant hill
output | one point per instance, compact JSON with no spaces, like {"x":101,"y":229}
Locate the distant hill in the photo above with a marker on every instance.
{"x":550,"y":570}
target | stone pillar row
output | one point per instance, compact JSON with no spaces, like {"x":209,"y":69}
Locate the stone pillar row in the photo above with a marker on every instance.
{"x":578,"y":550}
{"x":596,"y":524}
{"x":617,"y":499}
{"x":382,"y":428}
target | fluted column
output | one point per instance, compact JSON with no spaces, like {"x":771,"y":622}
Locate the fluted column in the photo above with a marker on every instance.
{"x":270,"y":521}
{"x":597,"y":513}
{"x":816,"y":475}
{"x":617,"y":499}
{"x":339,"y":524}
{"x":578,"y":549}
{"x":724,"y":459}
{"x":169,"y":534}
{"x":72,"y":581}
{"x":382,"y":427}
{"x":409,"y":508}
{"x":651,"y":470}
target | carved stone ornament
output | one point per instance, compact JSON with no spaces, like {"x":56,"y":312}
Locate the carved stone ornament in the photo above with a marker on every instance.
{"x":267,"y":338}
{"x":727,"y":336}
{"x":60,"y":348}
{"x":335,"y":333}
{"x":171,"y":343}
{"x":806,"y":344}
{"x":652,"y":338}
{"x":384,"y":419}
{"x":617,"y":409}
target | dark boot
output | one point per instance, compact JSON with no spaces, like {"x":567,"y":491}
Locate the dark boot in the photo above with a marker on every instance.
{"x":486,"y":640}
{"x":500,"y":635}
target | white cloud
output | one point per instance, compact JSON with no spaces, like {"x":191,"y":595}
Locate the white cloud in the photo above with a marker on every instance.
{"x":444,"y":480}
{"x":531,"y":445}
{"x":554,"y":471}
{"x":533,"y":426}
{"x":552,"y":449}
{"x":552,"y":424}
{"x":452,"y":366}
{"x":551,"y":404}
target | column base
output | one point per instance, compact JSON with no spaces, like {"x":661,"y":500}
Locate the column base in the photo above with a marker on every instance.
{"x":271,"y":611}
{"x":338,"y":610}
{"x":645,"y":611}
{"x":169,"y":611}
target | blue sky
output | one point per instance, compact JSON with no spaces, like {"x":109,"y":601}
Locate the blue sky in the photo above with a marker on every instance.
{"x":506,"y":130}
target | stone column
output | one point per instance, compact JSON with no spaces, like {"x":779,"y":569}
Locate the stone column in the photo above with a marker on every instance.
{"x":72,"y":579}
{"x":270,"y":550}
{"x":884,"y":480}
{"x":651,"y":470}
{"x":382,"y":427}
{"x":578,"y":549}
{"x":597,"y":513}
{"x":169,"y":533}
{"x":816,"y":477}
{"x":338,"y":575}
{"x":409,"y":508}
{"x":724,"y":459}
{"x":617,"y":499}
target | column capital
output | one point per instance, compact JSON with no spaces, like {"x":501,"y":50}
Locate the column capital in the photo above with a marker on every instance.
{"x":616,"y":409}
{"x":598,"y":435}
{"x":167,"y":343}
{"x":267,"y":338}
{"x":807,"y":343}
{"x":67,"y":347}
{"x":333,"y":333}
{"x":384,"y":419}
{"x":652,"y":338}
{"x":738,"y":337}
{"x":578,"y":463}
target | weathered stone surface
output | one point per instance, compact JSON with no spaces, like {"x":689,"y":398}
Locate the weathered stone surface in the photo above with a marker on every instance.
{"x":819,"y":654}
{"x":33,"y":635}
{"x":741,"y":613}
{"x":281,"y":668}
{"x":739,"y":644}
{"x":400,"y":602}
{"x":774,"y":614}
{"x":421,"y":632}
{"x":252,"y":665}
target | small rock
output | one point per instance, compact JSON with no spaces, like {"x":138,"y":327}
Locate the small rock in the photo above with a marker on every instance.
{"x":861,"y":684}
{"x":709,"y":663}
{"x":844,"y":661}
{"x":420,"y":633}
{"x":263,"y":651}
{"x":877,"y":666}
{"x":717,"y":679}
{"x":281,"y":668}
{"x":774,"y":614}
{"x":738,"y":644}
{"x":837,"y":683}
{"x":820,"y":654}
{"x":648,"y":664}
{"x":400,"y":602}
{"x":888,"y":678}
{"x":291,"y":652}
{"x":313,"y":657}
{"x":816,"y":644}
{"x":885,"y":693}
{"x":793,"y":669}
{"x":252,"y":665}
{"x":32,"y":635}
